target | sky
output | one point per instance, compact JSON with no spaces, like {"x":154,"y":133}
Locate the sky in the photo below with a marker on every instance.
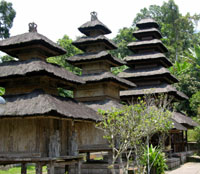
{"x":55,"y":18}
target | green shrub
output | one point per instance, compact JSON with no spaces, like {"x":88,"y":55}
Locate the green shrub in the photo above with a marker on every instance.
{"x":157,"y":161}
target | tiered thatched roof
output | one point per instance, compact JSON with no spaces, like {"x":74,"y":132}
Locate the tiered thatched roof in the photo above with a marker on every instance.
{"x":82,"y":43}
{"x":153,"y":89}
{"x":90,"y":57}
{"x":94,"y":24}
{"x":38,"y":103}
{"x":33,"y":39}
{"x":36,"y":66}
{"x":107,"y":104}
{"x":184,"y":120}
{"x":142,"y":58}
{"x":145,"y":73}
{"x":106,"y":76}
{"x":155,"y":44}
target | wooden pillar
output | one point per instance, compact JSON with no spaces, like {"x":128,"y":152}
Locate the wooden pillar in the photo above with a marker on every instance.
{"x":186,"y":140}
{"x":38,"y":168}
{"x":78,"y":167}
{"x":88,"y":156}
{"x":23,"y":168}
{"x":50,"y":168}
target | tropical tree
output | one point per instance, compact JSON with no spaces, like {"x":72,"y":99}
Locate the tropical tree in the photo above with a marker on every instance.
{"x":66,"y":43}
{"x":7,"y":15}
{"x":128,"y":130}
{"x":188,"y":73}
{"x":178,"y":30}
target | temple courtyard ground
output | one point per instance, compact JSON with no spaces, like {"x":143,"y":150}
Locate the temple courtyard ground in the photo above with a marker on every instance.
{"x":187,"y":168}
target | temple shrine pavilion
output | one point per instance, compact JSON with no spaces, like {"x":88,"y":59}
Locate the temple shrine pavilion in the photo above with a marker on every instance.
{"x":147,"y":68}
{"x":36,"y":125}
{"x":101,"y":88}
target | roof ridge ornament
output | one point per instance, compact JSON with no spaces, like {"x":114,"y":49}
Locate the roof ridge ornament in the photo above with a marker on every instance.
{"x":32,"y":27}
{"x":93,"y":16}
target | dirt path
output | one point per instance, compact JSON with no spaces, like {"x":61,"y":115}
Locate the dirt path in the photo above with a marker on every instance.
{"x":187,"y":168}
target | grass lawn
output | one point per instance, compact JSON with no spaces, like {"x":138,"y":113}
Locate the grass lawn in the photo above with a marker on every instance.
{"x":17,"y":170}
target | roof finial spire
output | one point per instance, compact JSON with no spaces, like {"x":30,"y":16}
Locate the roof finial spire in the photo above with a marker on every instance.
{"x":93,"y":16}
{"x":32,"y":27}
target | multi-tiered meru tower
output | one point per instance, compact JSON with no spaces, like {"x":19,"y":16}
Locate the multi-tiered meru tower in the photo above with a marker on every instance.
{"x":148,"y":70}
{"x":101,"y":89}
{"x":148,"y":65}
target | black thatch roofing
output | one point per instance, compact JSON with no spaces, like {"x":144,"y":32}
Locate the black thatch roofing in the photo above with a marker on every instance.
{"x":38,"y":103}
{"x":83,"y":42}
{"x":136,"y":58}
{"x":155,"y":33}
{"x":160,"y":71}
{"x":147,"y":23}
{"x":94,"y":25}
{"x":105,"y":76}
{"x":33,"y":66}
{"x":153,"y":89}
{"x":31,"y":39}
{"x":107,"y":104}
{"x":89,"y":57}
{"x":178,"y":126}
{"x":147,"y":44}
{"x":183,"y":119}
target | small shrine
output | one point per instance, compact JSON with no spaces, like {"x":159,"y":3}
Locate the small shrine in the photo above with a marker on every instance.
{"x":147,"y":68}
{"x":36,"y":124}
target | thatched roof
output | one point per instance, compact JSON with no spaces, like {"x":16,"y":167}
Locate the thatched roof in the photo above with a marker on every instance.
{"x":158,"y":71}
{"x":36,"y":66}
{"x":147,"y":57}
{"x":147,"y":32}
{"x":31,"y":39}
{"x":38,"y":103}
{"x":146,"y":45}
{"x":94,"y":25}
{"x":177,"y":125}
{"x":147,"y":23}
{"x":90,"y":57}
{"x":153,"y":89}
{"x":106,"y":76}
{"x":83,"y":42}
{"x":183,"y":119}
{"x":107,"y":104}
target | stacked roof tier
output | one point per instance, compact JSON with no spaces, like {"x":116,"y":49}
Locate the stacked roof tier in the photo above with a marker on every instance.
{"x":101,"y":85}
{"x":31,"y":83}
{"x":148,"y":65}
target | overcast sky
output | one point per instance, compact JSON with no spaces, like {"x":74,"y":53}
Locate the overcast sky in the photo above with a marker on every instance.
{"x":58,"y":17}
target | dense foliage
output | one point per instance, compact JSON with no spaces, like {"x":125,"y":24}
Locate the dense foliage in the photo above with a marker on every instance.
{"x":188,"y":73}
{"x":7,"y":15}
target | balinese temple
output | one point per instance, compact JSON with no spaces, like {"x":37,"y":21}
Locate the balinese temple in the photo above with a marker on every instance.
{"x":101,"y":88}
{"x":147,"y":68}
{"x":36,"y":124}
